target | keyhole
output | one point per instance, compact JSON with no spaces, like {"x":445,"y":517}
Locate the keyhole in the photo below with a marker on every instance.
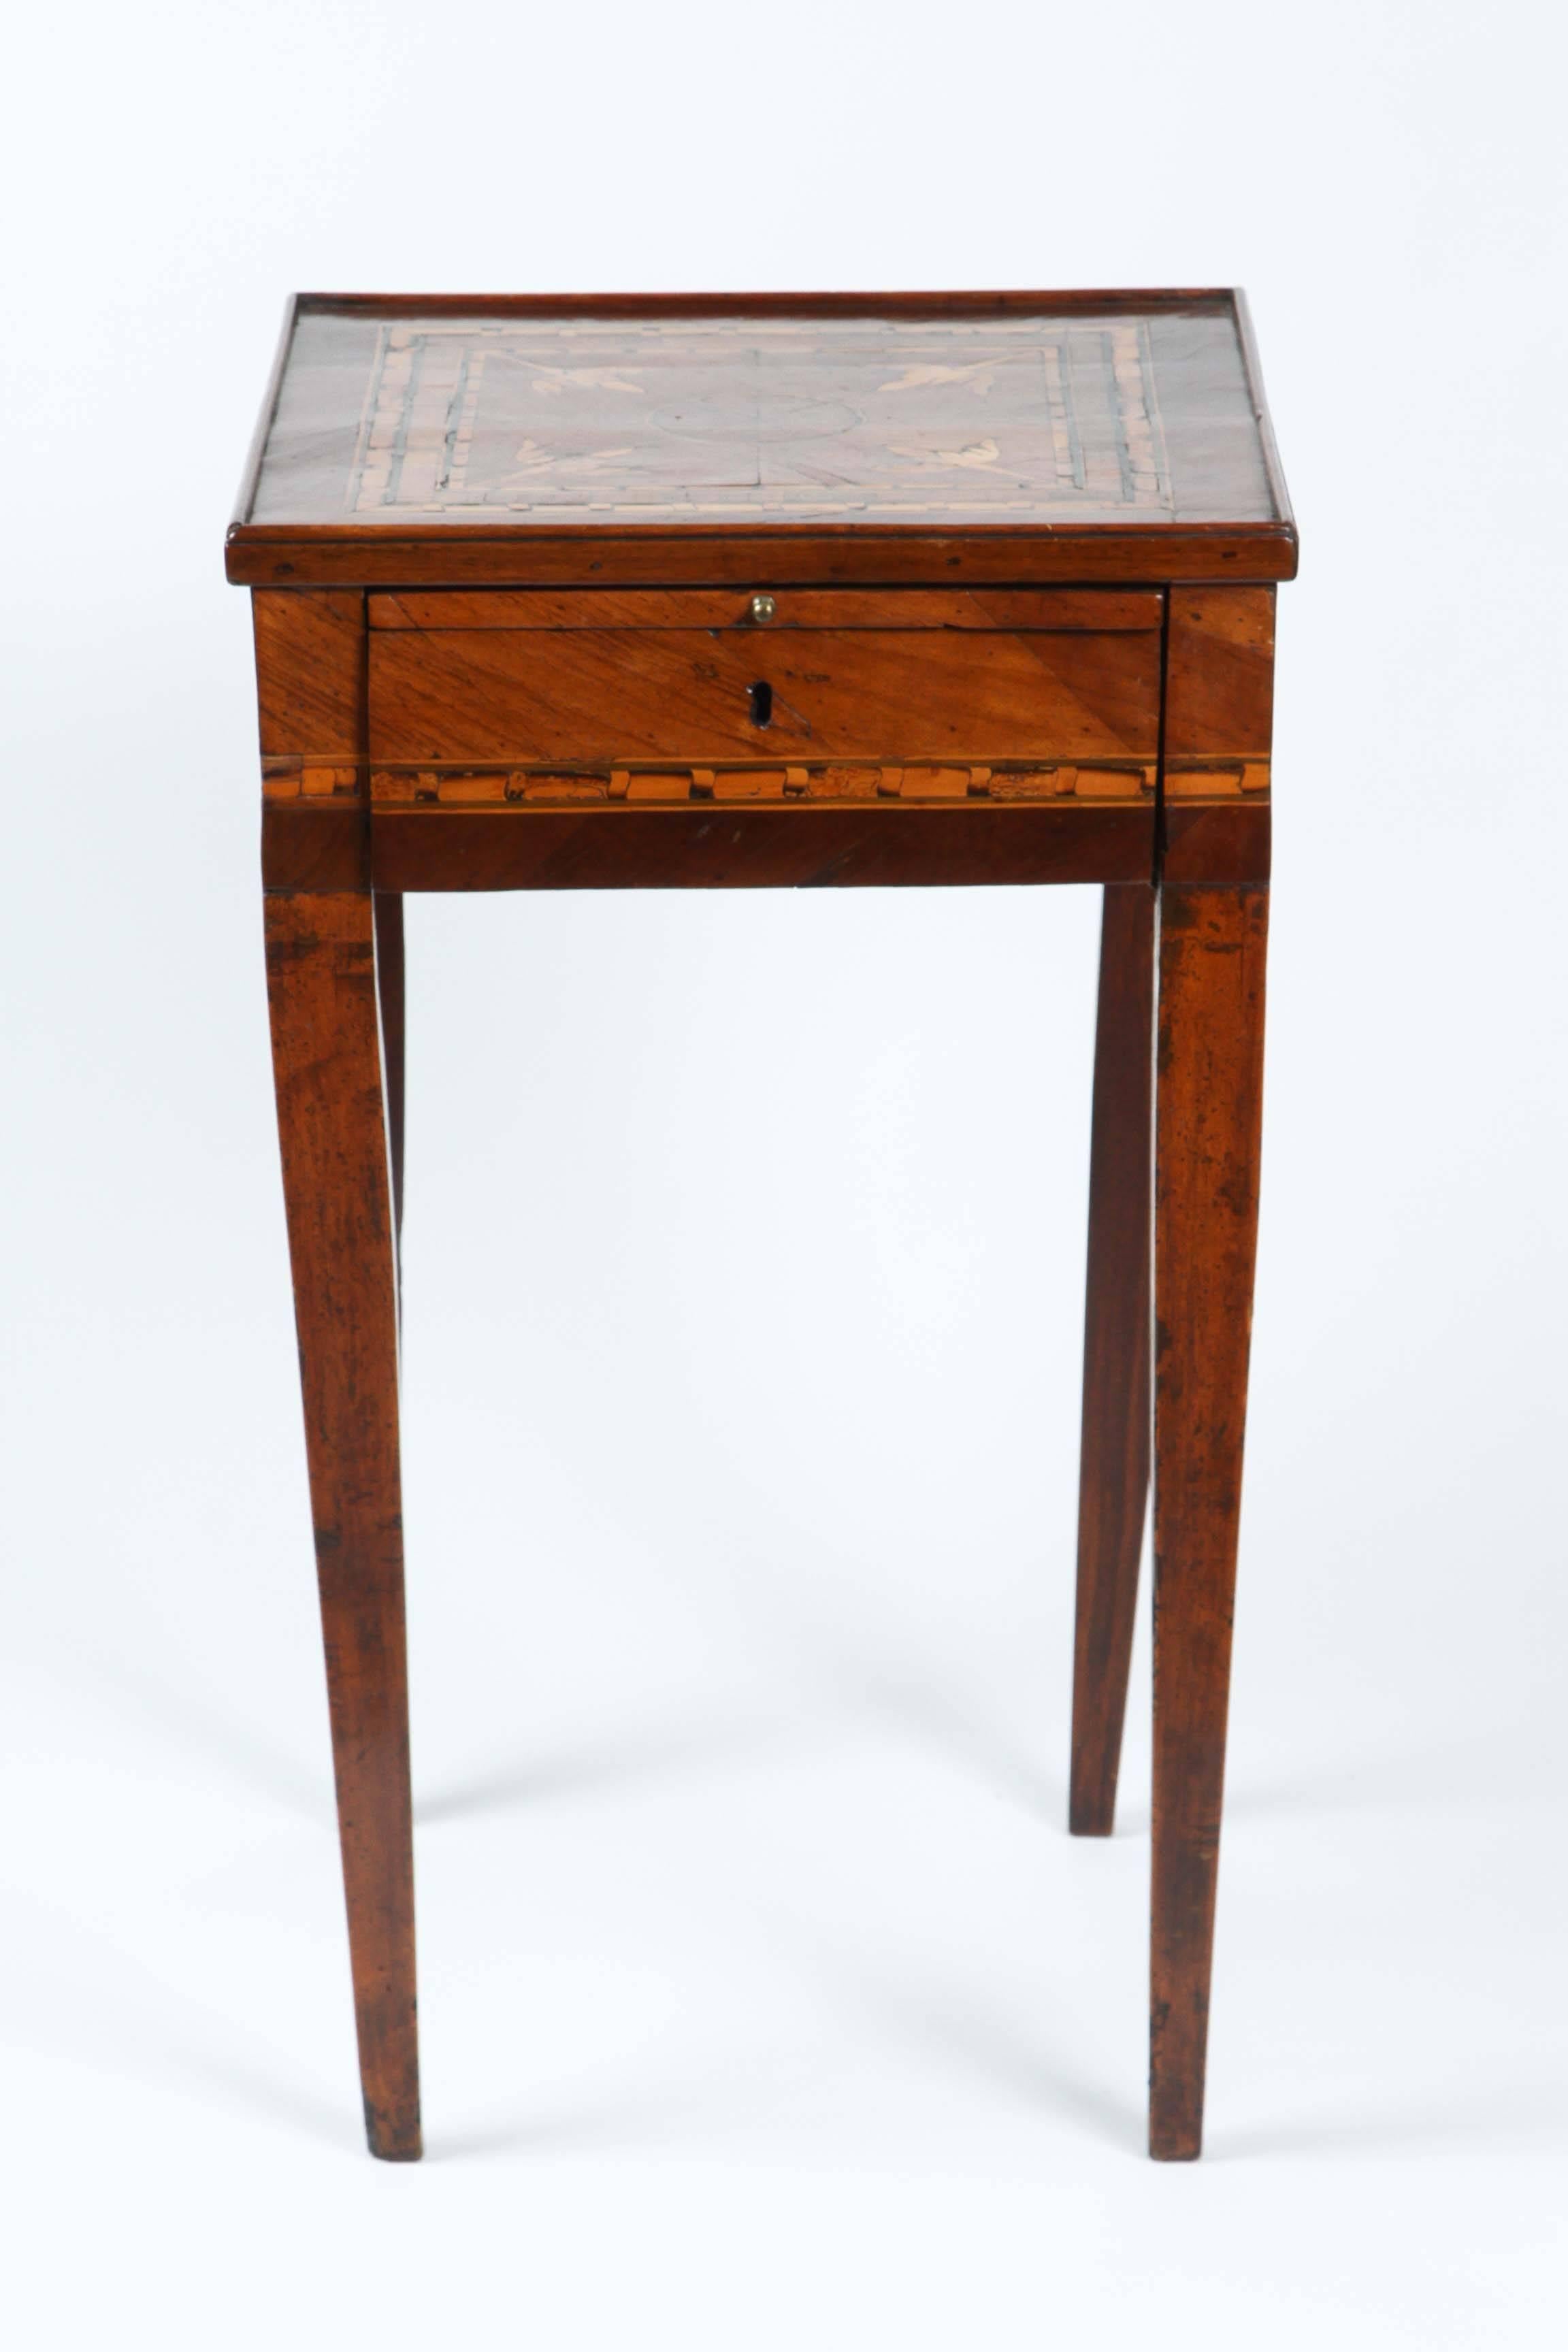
{"x":761,"y":698}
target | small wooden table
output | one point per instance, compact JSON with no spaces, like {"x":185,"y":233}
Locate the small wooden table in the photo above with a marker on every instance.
{"x":725,"y":593}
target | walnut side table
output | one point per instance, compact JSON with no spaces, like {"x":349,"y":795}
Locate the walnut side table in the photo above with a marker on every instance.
{"x":761,"y":591}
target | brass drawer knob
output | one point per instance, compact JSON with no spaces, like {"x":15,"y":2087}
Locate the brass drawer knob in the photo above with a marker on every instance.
{"x":763,"y":608}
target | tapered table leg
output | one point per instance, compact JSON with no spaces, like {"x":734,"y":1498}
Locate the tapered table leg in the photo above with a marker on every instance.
{"x":331,"y":1119}
{"x":389,"y":972}
{"x":1208,"y":1110}
{"x":1113,"y":1480}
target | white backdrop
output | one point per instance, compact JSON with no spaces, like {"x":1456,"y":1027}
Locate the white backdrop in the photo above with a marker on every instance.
{"x":766,"y":2002}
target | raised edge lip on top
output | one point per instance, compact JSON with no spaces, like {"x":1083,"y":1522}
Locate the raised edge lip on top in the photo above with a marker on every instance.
{"x":1279,"y":529}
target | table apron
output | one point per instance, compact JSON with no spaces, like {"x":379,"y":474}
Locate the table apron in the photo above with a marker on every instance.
{"x":758,"y":848}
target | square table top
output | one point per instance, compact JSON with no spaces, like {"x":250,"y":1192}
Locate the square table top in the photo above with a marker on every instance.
{"x":646,"y":438}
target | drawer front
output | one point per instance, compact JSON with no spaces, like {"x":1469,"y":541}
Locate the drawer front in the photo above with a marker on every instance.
{"x":935,"y":678}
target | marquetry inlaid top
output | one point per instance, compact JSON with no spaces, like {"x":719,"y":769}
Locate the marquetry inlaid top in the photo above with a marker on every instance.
{"x":401,"y":418}
{"x":1010,"y":437}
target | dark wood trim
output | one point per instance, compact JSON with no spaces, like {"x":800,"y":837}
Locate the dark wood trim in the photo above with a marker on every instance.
{"x":315,"y":845}
{"x":1216,"y":843}
{"x":1253,"y":368}
{"x":996,"y":302}
{"x":244,"y":497}
{"x":740,"y":847}
{"x":818,"y":555}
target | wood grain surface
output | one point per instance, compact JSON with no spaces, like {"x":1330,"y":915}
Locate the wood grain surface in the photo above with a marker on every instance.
{"x":1219,"y":726}
{"x":321,"y":990}
{"x":614,"y":696}
{"x":310,"y":672}
{"x":1113,"y":1479}
{"x":1208,"y":1114}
